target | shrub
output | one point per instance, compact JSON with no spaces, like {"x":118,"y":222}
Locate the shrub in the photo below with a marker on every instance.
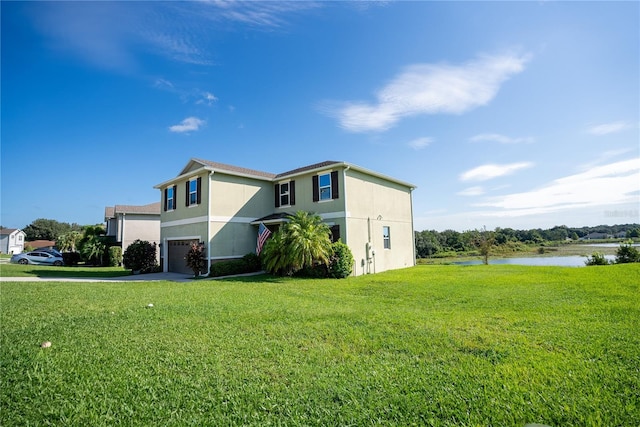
{"x":340,"y":264}
{"x":248,"y":264}
{"x":195,"y":258}
{"x":115,"y":256}
{"x":627,"y":253}
{"x":341,"y":261}
{"x":71,"y":258}
{"x":140,"y":256}
{"x":596,"y":259}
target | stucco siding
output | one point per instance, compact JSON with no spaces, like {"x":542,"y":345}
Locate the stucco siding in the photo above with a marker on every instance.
{"x":143,"y":227}
{"x":232,"y":196}
{"x":374,"y":203}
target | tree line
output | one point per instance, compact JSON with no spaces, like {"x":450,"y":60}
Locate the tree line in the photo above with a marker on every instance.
{"x":433,"y":243}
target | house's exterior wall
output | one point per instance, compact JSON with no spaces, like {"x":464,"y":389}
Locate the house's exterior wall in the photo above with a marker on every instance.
{"x":373,"y":203}
{"x":12,"y":243}
{"x":234,"y":203}
{"x":138,"y":226}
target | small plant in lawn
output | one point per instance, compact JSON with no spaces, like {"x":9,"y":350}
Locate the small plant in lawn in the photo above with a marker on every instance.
{"x":195,"y":259}
{"x":140,"y":256}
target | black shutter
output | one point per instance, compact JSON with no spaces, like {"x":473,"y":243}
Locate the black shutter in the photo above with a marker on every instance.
{"x":166,"y":194}
{"x":292,"y":193}
{"x":186,"y":197}
{"x":335,"y":233}
{"x":277,"y":199}
{"x":316,"y":190}
{"x":334,"y":185}
{"x":175,"y":197}
{"x":199,"y":190}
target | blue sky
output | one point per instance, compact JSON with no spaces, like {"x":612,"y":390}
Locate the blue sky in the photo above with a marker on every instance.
{"x":503,"y":114}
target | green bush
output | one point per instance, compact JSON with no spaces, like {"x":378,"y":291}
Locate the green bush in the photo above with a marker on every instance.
{"x":115,"y":256}
{"x":341,"y":262}
{"x":248,"y":264}
{"x":71,"y":258}
{"x":626,"y":253}
{"x":140,"y":256}
{"x":597,"y":259}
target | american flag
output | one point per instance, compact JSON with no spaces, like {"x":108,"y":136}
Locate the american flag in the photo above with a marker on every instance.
{"x":263,"y":235}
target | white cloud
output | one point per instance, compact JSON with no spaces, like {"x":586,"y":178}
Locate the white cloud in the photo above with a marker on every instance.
{"x":502,"y":139}
{"x":187,"y":125}
{"x":472,"y":191}
{"x":608,"y":128}
{"x":207,"y":98}
{"x":420,"y":143}
{"x":486,"y":172}
{"x":606,"y":185}
{"x":430,"y":89}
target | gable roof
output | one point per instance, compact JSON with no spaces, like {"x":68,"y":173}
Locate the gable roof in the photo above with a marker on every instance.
{"x":195,"y":165}
{"x":234,"y":170}
{"x":8,"y":231}
{"x":150,"y":209}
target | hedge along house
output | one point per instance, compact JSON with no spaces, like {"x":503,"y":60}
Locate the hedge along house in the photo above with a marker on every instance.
{"x":221,"y":207}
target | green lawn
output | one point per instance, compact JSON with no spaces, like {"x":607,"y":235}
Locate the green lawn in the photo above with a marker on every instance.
{"x":17,"y":270}
{"x":430,"y":345}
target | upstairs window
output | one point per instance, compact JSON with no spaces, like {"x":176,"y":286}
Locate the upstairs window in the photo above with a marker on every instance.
{"x":324,"y":182}
{"x":285,"y":194}
{"x":170,"y":198}
{"x":193,"y":190}
{"x":325,"y":186}
{"x":386,"y":237}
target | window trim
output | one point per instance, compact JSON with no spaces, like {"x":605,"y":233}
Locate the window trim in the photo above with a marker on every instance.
{"x":196,"y":200}
{"x":386,"y":237}
{"x":333,"y":186}
{"x":325,"y":187}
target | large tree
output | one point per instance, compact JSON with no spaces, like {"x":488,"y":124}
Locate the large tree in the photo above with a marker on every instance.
{"x":48,"y":229}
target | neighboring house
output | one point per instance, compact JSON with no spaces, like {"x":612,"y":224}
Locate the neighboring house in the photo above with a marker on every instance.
{"x":12,"y":241}
{"x":597,"y":236}
{"x":222,"y":205}
{"x":129,"y":223}
{"x":40,"y":244}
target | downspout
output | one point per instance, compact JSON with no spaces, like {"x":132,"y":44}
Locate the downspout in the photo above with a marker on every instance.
{"x":122,"y":231}
{"x":346,"y":211}
{"x":209,"y":222}
{"x":413,"y":231}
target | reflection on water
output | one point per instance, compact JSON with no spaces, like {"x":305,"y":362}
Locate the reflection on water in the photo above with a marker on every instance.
{"x":562,"y":261}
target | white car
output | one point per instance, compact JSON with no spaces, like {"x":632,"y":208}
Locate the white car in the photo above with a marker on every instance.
{"x":37,"y":257}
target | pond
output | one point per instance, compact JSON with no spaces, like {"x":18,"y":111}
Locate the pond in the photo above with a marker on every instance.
{"x":561,"y":261}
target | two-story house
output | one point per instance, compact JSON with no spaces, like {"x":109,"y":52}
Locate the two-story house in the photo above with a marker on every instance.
{"x":221,"y":206}
{"x":128,"y":223}
{"x":11,"y":241}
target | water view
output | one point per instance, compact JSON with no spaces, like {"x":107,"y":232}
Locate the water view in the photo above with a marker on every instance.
{"x":561,"y":261}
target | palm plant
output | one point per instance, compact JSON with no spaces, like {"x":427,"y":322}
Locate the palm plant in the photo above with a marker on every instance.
{"x":302,"y":242}
{"x":308,"y":240}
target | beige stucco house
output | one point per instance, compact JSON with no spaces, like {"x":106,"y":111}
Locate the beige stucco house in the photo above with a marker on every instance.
{"x":222,"y":205}
{"x":127,"y":223}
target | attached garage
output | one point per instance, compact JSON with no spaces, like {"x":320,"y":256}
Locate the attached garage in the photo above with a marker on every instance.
{"x":176,"y":255}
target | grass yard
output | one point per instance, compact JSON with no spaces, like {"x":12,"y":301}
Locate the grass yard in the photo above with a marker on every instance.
{"x":430,"y":345}
{"x":17,"y":270}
